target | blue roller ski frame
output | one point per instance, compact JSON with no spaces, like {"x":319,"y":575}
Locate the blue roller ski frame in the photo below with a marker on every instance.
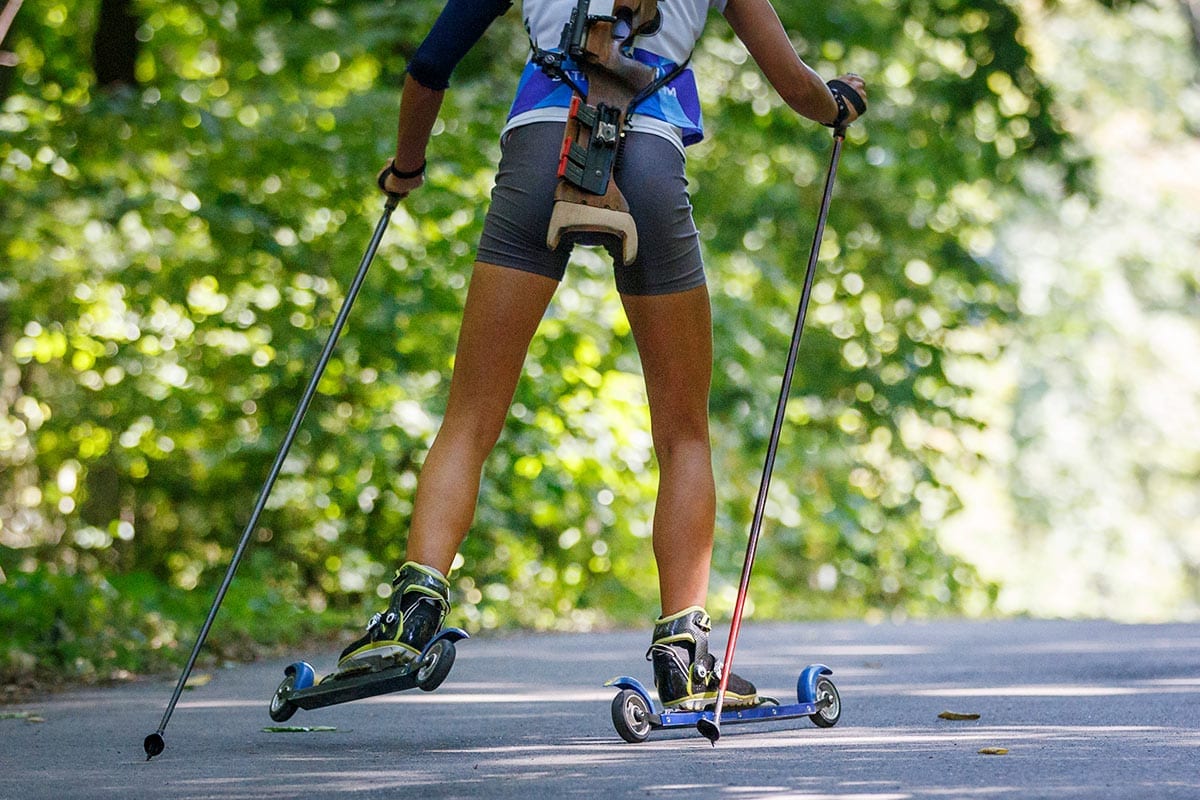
{"x":816,"y":698}
{"x":301,"y":689}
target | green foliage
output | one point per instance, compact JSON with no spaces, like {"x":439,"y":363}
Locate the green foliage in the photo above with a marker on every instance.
{"x":175,"y":254}
{"x":87,"y":626}
{"x":906,"y":300}
{"x":69,"y":624}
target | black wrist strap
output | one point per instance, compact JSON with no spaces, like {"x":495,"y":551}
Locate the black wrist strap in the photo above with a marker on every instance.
{"x":416,"y":173}
{"x":850,"y":93}
{"x":843,"y":110}
{"x":391,"y":170}
{"x":842,"y":93}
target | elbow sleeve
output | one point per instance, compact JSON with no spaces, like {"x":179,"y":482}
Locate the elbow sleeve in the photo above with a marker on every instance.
{"x":460,"y":25}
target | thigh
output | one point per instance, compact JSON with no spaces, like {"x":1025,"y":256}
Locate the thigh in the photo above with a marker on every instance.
{"x":674,"y":340}
{"x":514,"y":232}
{"x":501,"y":315}
{"x":651,"y":176}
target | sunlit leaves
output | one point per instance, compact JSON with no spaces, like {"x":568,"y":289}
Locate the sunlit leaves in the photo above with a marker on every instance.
{"x":179,"y":251}
{"x":905,"y":263}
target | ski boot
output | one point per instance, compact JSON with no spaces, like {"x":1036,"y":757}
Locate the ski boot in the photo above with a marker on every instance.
{"x":419,"y":604}
{"x":686,"y":675}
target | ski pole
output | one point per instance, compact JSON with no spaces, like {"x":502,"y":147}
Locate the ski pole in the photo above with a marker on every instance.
{"x":154,"y":743}
{"x":712,"y":729}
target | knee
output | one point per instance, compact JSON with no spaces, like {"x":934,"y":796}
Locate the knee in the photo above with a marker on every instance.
{"x":680,"y":442}
{"x":471,"y":437}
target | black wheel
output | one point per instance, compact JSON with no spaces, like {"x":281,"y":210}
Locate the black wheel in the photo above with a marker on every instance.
{"x":829,"y":705}
{"x":435,"y":665}
{"x":282,"y":708}
{"x":631,"y":716}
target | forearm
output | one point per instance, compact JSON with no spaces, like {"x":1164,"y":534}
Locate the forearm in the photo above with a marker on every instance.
{"x":419,"y":107}
{"x":757,"y":25}
{"x":460,"y":25}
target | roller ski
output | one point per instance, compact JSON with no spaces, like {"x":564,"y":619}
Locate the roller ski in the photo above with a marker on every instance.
{"x":693,"y":690}
{"x":404,"y":647}
{"x":688,"y":679}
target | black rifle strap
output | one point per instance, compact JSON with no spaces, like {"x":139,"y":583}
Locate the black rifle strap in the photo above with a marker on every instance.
{"x":651,"y":88}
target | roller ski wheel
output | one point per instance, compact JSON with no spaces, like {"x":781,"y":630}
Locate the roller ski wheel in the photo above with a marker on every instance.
{"x":631,"y":716}
{"x":435,"y":665}
{"x":282,"y":708}
{"x":829,"y":704}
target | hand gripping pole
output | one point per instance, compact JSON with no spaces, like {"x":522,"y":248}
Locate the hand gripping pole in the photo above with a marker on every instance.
{"x":712,"y":729}
{"x":154,"y":743}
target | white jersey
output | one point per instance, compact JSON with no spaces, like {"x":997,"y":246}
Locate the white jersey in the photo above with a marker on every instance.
{"x":682,"y":23}
{"x":674,"y":112}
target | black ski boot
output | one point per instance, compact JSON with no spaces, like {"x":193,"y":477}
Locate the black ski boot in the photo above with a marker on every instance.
{"x":686,"y":675}
{"x":419,"y":604}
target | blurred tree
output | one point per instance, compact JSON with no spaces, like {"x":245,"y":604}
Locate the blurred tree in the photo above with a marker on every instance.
{"x":174,"y":255}
{"x":115,"y":45}
{"x":1191,"y":13}
{"x":1094,"y":454}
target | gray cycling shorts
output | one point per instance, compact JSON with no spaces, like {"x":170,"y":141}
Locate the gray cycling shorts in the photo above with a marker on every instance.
{"x":650,"y":174}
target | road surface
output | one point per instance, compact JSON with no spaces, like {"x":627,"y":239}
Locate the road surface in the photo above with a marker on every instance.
{"x":1088,"y":710}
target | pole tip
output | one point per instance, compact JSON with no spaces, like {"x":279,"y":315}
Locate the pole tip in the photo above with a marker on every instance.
{"x":154,"y":745}
{"x":709,"y":730}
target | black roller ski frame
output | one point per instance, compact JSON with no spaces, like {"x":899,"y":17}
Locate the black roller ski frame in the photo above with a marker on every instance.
{"x":635,"y":714}
{"x":301,"y":689}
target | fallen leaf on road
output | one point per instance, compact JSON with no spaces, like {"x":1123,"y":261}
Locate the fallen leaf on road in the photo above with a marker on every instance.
{"x":200,"y":679}
{"x":28,"y":716}
{"x":956,"y":715}
{"x":994,"y":751}
{"x":298,"y":729}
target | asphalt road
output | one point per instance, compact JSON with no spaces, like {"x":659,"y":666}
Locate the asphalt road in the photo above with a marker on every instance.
{"x":1084,"y":709}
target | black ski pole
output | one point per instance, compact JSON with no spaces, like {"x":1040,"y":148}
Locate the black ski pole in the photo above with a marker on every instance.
{"x":154,"y":743}
{"x":712,"y":729}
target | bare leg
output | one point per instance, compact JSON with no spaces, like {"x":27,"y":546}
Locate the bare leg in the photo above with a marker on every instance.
{"x":674,"y":340}
{"x":503,"y":309}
